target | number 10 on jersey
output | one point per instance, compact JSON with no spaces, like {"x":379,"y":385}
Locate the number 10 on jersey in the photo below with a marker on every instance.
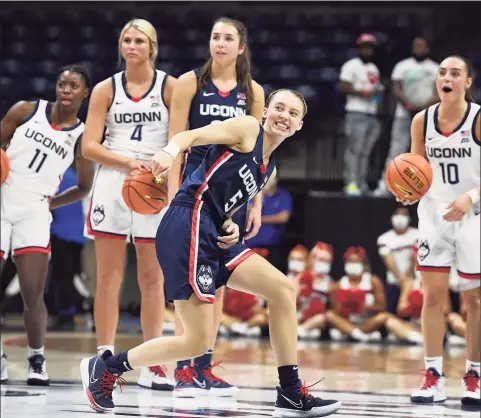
{"x":137,"y":134}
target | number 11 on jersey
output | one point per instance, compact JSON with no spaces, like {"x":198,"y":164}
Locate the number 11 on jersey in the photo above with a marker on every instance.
{"x":137,"y":134}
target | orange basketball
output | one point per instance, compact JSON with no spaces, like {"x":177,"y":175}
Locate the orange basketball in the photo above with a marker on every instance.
{"x":143,"y":194}
{"x":409,"y":176}
{"x":4,"y":166}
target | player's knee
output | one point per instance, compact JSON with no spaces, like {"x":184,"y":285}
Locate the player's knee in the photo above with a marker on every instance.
{"x":434,"y":299}
{"x":284,"y":292}
{"x":109,"y":280}
{"x":151,"y":281}
{"x":33,"y":297}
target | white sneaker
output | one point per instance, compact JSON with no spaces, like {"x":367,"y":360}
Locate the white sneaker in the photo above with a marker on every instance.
{"x":3,"y":369}
{"x":155,"y":378}
{"x":254,"y":332}
{"x":471,"y":394}
{"x":37,"y":371}
{"x":239,"y":328}
{"x":432,"y":390}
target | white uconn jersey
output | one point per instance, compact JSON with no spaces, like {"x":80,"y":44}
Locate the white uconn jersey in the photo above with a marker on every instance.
{"x":137,"y":127}
{"x":39,"y":155}
{"x":455,"y":159}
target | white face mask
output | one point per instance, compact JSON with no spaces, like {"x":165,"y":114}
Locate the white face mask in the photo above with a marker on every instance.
{"x":400,"y":221}
{"x":322,"y":267}
{"x":354,"y":269}
{"x":296,"y":265}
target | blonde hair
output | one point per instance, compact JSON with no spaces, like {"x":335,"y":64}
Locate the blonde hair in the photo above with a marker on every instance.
{"x":148,"y":30}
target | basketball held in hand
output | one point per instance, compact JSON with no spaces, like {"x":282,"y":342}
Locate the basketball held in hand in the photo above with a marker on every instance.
{"x":143,"y":193}
{"x":409,"y":176}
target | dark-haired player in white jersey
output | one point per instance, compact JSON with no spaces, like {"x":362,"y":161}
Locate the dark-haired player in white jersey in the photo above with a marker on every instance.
{"x":449,"y":135}
{"x":43,"y":140}
{"x":133,"y":106}
{"x":221,"y":89}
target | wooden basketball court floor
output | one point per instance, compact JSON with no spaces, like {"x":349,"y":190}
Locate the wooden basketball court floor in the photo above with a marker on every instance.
{"x":370,"y":380}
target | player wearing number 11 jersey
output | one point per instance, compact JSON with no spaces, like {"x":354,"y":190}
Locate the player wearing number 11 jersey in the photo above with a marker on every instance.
{"x":133,"y":107}
{"x":43,"y":141}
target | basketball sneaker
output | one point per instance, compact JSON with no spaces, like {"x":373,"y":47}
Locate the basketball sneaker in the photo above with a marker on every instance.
{"x":297,"y":402}
{"x":432,"y":389}
{"x":471,"y":394}
{"x":37,"y":371}
{"x":188,"y":384}
{"x":155,"y":378}
{"x":98,"y":382}
{"x":218,"y":386}
{"x":3,"y":369}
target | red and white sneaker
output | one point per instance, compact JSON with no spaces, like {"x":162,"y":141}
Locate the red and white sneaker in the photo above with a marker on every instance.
{"x":432,"y":389}
{"x":155,"y":378}
{"x":471,"y":394}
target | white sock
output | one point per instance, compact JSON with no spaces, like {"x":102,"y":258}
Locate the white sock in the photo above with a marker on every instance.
{"x":35,"y":351}
{"x":357,"y":334}
{"x":415,"y":337}
{"x":102,"y":348}
{"x":476,"y":366}
{"x":434,"y":363}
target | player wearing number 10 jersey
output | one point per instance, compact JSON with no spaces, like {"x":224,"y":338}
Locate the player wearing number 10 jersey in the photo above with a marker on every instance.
{"x":133,"y":106}
{"x":42,"y":140}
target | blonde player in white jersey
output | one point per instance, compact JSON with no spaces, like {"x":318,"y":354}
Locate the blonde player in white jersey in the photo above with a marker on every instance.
{"x":448,"y":134}
{"x":133,"y":106}
{"x":42,"y":140}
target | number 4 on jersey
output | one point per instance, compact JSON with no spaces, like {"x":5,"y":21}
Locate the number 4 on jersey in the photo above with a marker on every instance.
{"x":137,"y":134}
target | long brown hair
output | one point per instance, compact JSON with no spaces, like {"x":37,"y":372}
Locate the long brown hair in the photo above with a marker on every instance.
{"x":243,"y":63}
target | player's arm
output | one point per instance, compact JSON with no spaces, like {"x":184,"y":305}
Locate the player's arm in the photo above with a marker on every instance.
{"x":417,"y":134}
{"x":85,"y":178}
{"x":379,"y":304}
{"x":182,"y":95}
{"x":17,"y":114}
{"x":100,"y":101}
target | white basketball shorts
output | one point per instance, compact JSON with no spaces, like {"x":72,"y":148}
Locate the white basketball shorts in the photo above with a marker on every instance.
{"x":25,"y":225}
{"x":109,"y":216}
{"x":442,"y":244}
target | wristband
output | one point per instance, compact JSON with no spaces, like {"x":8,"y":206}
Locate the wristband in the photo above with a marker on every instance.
{"x":474,"y":195}
{"x":172,"y":149}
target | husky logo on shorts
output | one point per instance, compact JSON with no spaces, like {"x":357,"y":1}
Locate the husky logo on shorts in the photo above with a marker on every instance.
{"x":423,"y":250}
{"x":98,"y":215}
{"x":205,"y":278}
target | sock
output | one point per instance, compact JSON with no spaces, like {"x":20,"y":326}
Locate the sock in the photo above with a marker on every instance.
{"x":119,"y":363}
{"x":288,"y":376}
{"x":203,"y":362}
{"x":476,"y":366}
{"x":415,"y":337}
{"x":102,"y":348}
{"x":35,"y":351}
{"x":434,"y":363}
{"x":357,"y":334}
{"x":182,"y":363}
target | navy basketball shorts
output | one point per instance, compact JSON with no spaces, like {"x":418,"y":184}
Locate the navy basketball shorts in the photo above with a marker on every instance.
{"x":189,"y":256}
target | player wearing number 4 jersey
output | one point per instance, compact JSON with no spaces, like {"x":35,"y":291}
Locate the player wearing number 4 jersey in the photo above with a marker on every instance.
{"x":237,"y":165}
{"x":133,"y":105}
{"x":449,"y":135}
{"x":43,"y":141}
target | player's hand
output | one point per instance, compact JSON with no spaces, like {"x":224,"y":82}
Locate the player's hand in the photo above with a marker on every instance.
{"x":134,"y":164}
{"x":458,"y":208}
{"x":254,"y":222}
{"x":161,"y":163}
{"x":232,"y":237}
{"x":406,"y":202}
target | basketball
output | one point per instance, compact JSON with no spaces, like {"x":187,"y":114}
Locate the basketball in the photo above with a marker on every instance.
{"x":144,"y":194}
{"x":4,"y":166}
{"x":409,"y":176}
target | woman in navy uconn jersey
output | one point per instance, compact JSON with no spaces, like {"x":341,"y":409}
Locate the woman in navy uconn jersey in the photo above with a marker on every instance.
{"x":449,"y":134}
{"x":43,"y":140}
{"x":221,"y":89}
{"x":133,"y":107}
{"x":234,"y":169}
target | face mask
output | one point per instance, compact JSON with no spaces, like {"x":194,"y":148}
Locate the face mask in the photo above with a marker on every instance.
{"x":322,"y":267}
{"x":296,"y":266}
{"x":353,"y":269}
{"x":400,"y":221}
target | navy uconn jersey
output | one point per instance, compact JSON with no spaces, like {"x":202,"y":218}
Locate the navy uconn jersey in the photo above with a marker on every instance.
{"x":226,"y":179}
{"x":210,"y":105}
